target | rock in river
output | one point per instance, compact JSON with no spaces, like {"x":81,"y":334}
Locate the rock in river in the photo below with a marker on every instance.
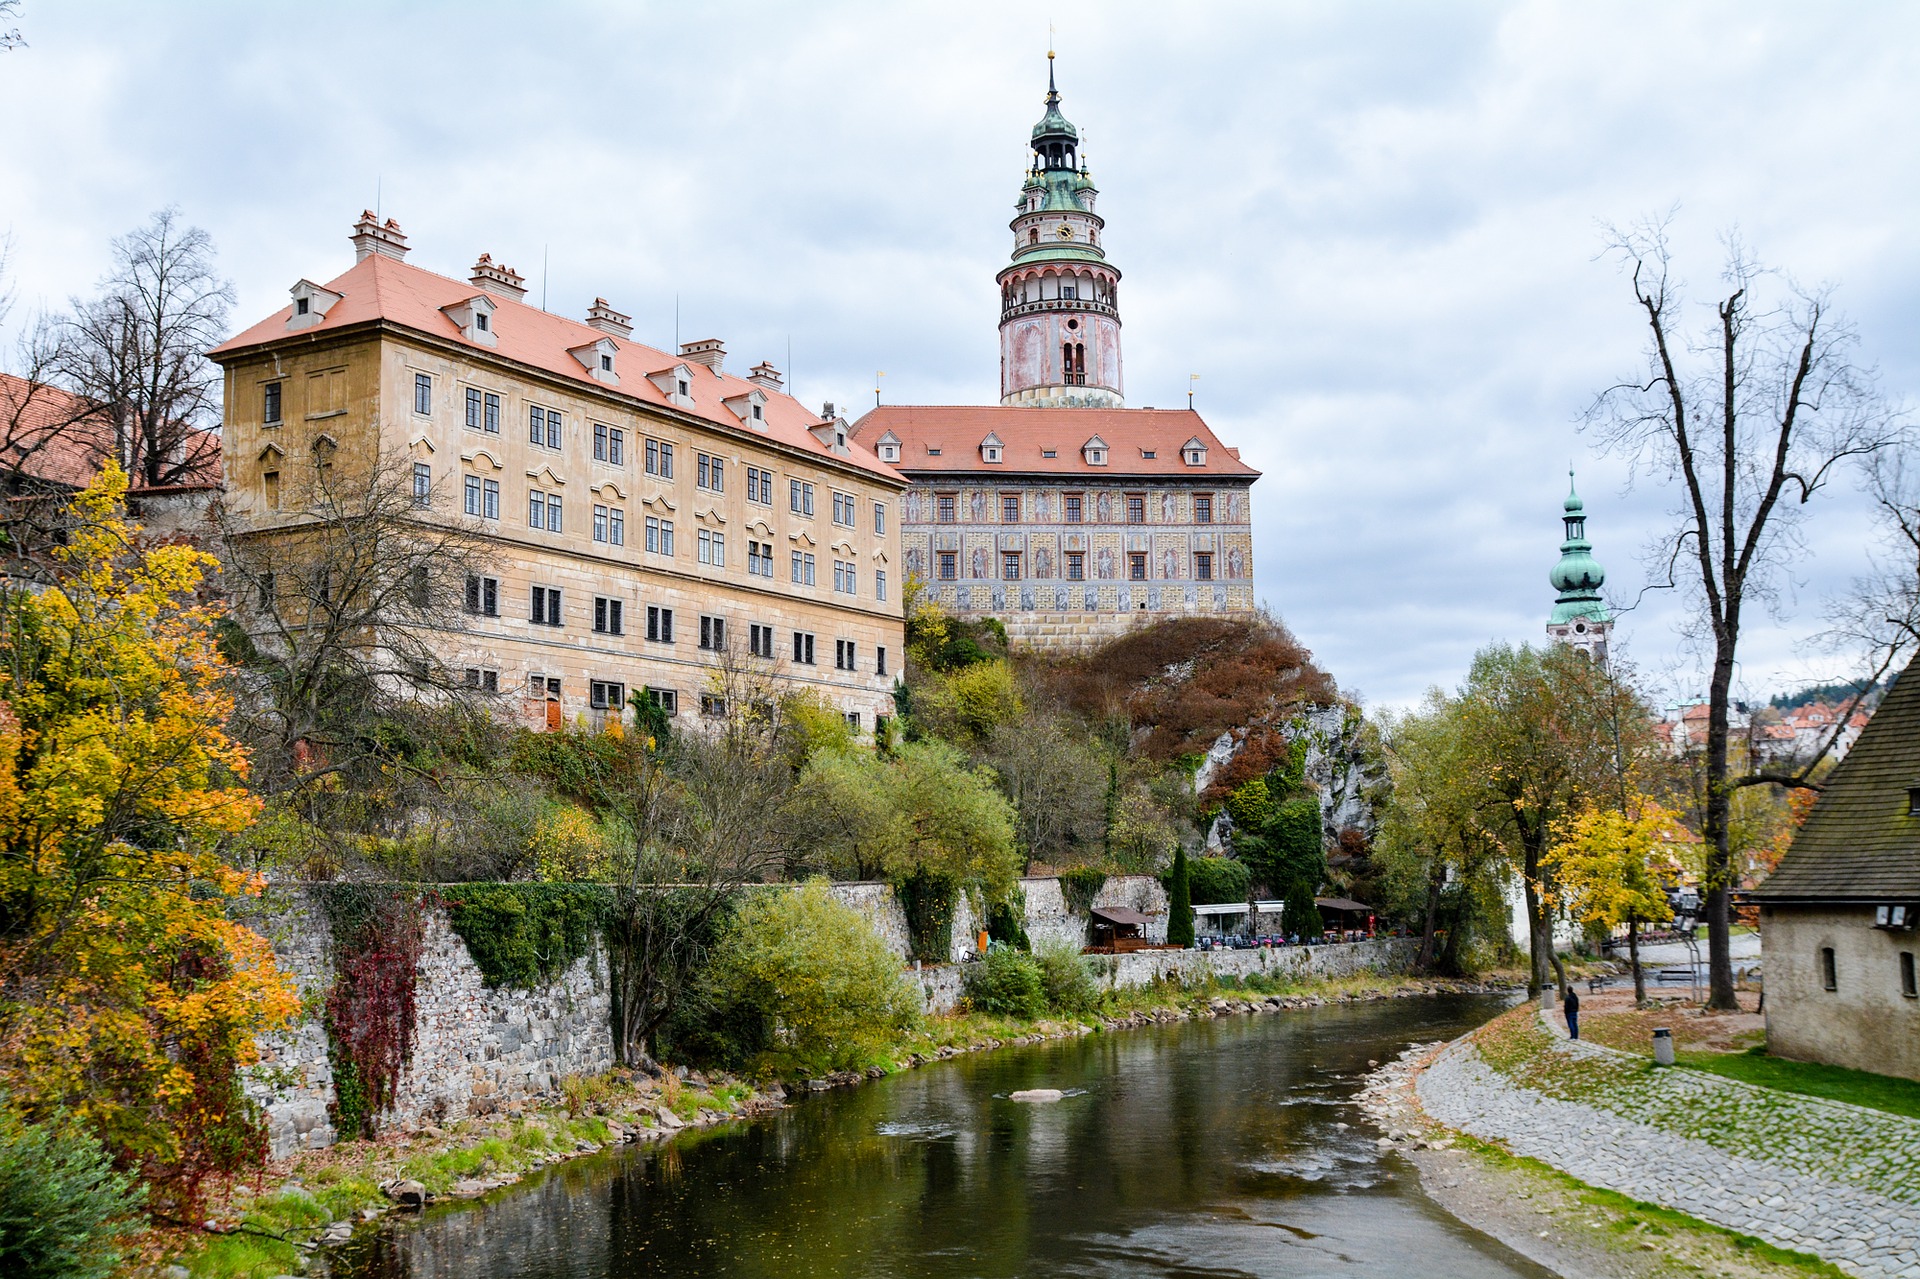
{"x":1036,"y":1094}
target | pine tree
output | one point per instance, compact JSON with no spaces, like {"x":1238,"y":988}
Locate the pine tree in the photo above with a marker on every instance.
{"x":1180,"y":902}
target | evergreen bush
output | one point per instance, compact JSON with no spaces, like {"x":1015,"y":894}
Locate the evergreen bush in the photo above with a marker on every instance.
{"x":63,"y":1209}
{"x":1211,"y":880}
{"x":1179,"y":901}
{"x":1065,"y":980}
{"x":1006,"y":984}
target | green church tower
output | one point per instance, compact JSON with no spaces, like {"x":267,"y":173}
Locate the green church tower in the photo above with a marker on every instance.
{"x":1580,"y":618}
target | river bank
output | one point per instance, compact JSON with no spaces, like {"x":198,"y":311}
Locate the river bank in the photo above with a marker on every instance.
{"x":1647,"y":1172}
{"x":315,"y":1200}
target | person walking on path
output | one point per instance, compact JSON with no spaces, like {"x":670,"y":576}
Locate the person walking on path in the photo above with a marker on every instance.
{"x":1573,"y":1013}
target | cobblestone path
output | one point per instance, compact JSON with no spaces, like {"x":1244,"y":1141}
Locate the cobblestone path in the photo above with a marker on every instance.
{"x":1769,"y":1164}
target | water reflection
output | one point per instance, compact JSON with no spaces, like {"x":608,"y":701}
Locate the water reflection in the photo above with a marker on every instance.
{"x":1215,"y":1148}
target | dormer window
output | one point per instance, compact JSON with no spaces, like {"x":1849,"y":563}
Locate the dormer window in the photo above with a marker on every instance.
{"x":606,"y":364}
{"x":759,"y":414}
{"x":474,"y":316}
{"x":1095,"y":451}
{"x":991,"y":447}
{"x":1148,"y":454}
{"x":302,"y":306}
{"x":310,"y":304}
{"x":597,"y":358}
{"x":684,"y":387}
{"x":1194,"y":452}
{"x":888,"y":446}
{"x":481,"y":321}
{"x":676,"y":383}
{"x":749,"y":407}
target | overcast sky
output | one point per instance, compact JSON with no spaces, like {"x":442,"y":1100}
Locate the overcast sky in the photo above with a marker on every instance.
{"x":1373,"y":230}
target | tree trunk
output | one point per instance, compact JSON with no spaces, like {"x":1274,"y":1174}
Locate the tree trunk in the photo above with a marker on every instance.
{"x":1423,"y":964}
{"x":1716,"y":831}
{"x":1539,"y":932}
{"x":1633,"y":958}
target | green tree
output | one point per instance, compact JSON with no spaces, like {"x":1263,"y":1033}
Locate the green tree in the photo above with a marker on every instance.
{"x":826,"y":990}
{"x":63,"y":1209}
{"x":1180,"y":902}
{"x":1007,"y":983}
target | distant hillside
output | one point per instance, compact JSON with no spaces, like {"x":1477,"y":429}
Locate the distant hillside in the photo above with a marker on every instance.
{"x":1832,"y":693}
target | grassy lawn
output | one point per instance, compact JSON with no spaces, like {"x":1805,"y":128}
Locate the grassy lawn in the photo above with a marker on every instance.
{"x":1835,"y":1083}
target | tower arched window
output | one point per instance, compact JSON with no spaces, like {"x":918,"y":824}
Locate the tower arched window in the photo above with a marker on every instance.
{"x":1033,"y":235}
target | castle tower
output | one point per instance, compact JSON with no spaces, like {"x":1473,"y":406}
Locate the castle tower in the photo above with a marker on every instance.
{"x":1580,"y":618}
{"x":1059,"y":310}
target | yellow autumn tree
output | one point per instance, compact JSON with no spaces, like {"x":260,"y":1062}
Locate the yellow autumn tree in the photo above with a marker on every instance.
{"x":1602,"y":863}
{"x":128,"y":997}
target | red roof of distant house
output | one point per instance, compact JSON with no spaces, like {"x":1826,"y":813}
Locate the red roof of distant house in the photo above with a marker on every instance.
{"x":947,"y":437}
{"x":61,"y":438}
{"x":385,"y":288}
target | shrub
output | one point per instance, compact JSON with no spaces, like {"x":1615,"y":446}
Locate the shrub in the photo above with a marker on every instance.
{"x":1065,"y":980}
{"x":820,"y":980}
{"x":1006,"y":984}
{"x":1211,"y":880}
{"x":63,"y":1210}
{"x":1179,"y":901}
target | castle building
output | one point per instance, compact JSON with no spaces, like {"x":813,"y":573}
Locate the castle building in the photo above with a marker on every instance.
{"x":1580,"y":618}
{"x":1060,"y":511}
{"x":645,"y":517}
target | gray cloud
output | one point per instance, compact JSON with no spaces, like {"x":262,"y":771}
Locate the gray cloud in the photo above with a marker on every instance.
{"x":1371,"y":229}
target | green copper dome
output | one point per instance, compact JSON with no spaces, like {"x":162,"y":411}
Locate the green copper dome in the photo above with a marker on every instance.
{"x":1053,"y":125}
{"x":1578,"y":576}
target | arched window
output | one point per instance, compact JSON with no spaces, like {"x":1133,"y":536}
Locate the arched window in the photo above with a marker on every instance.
{"x":1033,"y":235}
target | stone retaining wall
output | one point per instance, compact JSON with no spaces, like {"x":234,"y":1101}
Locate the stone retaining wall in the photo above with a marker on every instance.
{"x":475,"y":1049}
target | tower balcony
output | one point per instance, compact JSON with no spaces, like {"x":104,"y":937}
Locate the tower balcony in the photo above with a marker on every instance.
{"x":1079,"y":305}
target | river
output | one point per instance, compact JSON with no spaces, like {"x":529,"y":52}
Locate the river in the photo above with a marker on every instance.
{"x":1212,"y":1148}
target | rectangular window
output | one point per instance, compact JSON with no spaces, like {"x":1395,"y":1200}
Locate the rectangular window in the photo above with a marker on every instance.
{"x":712,"y":705}
{"x":422,"y":393}
{"x":802,"y":568}
{"x":666,"y":699}
{"x":605,"y":695}
{"x":1136,"y":566}
{"x":1076,"y":566}
{"x":659,"y":536}
{"x":945,"y":505}
{"x":1072,"y":501}
{"x":843,"y":655}
{"x":879,"y":584}
{"x":1829,"y":974}
{"x":713,"y":634}
{"x":492,"y":419}
{"x":1203,"y":508}
{"x":270,"y":404}
{"x":843,"y":509}
{"x":759,"y":485}
{"x":490,"y":499}
{"x":853,"y":720}
{"x":880,"y":660}
{"x":1009,"y":508}
{"x":422,"y":484}
{"x":712,"y":548}
{"x":759,"y":559}
{"x":473,"y":500}
{"x":1010,"y":566}
{"x":536,"y":509}
{"x":760,"y":640}
{"x":1136,"y":508}
{"x":553,"y":428}
{"x":879,"y":519}
{"x":1203,"y":565}
{"x":553,"y":512}
{"x":270,"y":484}
{"x":660,"y":459}
{"x":536,"y":426}
{"x":803,"y":648}
{"x":546,"y":606}
{"x":799,"y":497}
{"x":473,"y":408}
{"x":659,"y":624}
{"x":949,"y":565}
{"x":846,"y":577}
{"x":616,"y":526}
{"x":482,"y":680}
{"x":483,"y":595}
{"x":419,"y":587}
{"x":608,"y":616}
{"x":599,"y":522}
{"x":711,"y":473}
{"x":1907,"y":986}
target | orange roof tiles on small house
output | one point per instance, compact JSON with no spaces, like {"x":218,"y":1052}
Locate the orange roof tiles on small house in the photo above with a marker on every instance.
{"x":1163,"y":443}
{"x":487,"y":313}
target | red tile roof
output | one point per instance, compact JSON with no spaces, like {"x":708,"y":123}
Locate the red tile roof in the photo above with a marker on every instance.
{"x":384,"y":288}
{"x":50,"y":434}
{"x":1029,"y":433}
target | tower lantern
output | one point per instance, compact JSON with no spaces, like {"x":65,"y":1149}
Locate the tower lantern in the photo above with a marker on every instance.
{"x":1059,"y":308}
{"x":1580,"y":618}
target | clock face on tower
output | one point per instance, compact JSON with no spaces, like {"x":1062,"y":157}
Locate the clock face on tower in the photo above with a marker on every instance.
{"x":1065,"y":232}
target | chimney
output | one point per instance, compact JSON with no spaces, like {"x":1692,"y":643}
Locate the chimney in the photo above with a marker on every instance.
{"x":607,"y":320}
{"x":711,"y":352}
{"x":498,"y":279}
{"x":764,"y":375}
{"x":369,"y":238}
{"x":826,"y":412}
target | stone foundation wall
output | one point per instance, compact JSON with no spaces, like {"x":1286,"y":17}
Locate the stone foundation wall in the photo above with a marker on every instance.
{"x":475,"y":1050}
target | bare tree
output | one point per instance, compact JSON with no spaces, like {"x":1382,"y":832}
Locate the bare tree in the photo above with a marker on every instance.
{"x":1752,"y":417}
{"x":138,"y":349}
{"x":1882,"y":613}
{"x":10,"y":37}
{"x":348,"y":598}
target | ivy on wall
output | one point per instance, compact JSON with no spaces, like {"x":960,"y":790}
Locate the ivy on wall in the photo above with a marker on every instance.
{"x":527,"y":935}
{"x":928,"y":900}
{"x":1080,"y":886}
{"x":377,"y":932}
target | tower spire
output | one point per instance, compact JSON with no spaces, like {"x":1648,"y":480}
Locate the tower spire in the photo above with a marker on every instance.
{"x":1580,"y":617}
